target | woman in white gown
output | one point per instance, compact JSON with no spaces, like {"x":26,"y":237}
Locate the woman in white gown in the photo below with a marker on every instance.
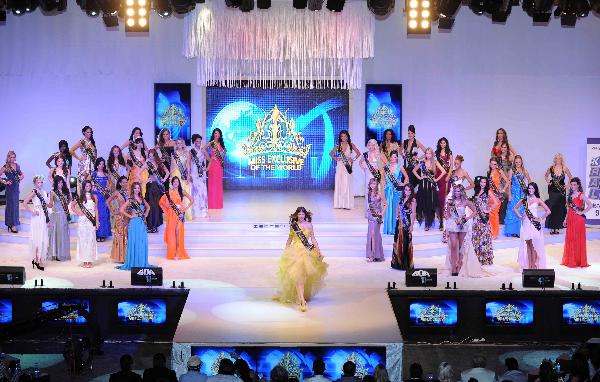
{"x":343,"y":197}
{"x":458,"y":214}
{"x":531,"y":251}
{"x":371,"y":162}
{"x":85,"y":206}
{"x":40,"y":219}
{"x":198,"y":179}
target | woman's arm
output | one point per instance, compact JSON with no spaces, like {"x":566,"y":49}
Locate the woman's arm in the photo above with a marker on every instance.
{"x":361,"y":163}
{"x":588,"y":204}
{"x":494,"y":202}
{"x":51,"y":201}
{"x":313,"y":240}
{"x":404,"y":173}
{"x":73,"y":150}
{"x":470,"y":180}
{"x":547,"y":176}
{"x":167,"y":173}
{"x":123,"y":211}
{"x":509,"y":184}
{"x":415,"y":173}
{"x":420,"y":145}
{"x":527,"y":176}
{"x":26,"y":202}
{"x":516,"y":208}
{"x":442,"y":171}
{"x":124,"y":145}
{"x":332,"y":152}
{"x":289,"y":240}
{"x":96,"y":211}
{"x":506,"y":180}
{"x":189,"y":197}
{"x":546,"y":210}
{"x":189,"y":164}
{"x":413,"y":208}
{"x":50,"y":159}
{"x":146,"y":208}
{"x":568,"y":172}
{"x":112,"y":197}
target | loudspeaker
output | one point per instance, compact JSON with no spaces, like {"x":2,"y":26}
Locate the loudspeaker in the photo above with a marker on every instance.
{"x":538,"y":278}
{"x":147,"y":276}
{"x":12,"y":275}
{"x":421,"y":277}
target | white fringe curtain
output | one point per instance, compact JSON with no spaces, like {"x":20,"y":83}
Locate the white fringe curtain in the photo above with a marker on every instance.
{"x":301,"y":48}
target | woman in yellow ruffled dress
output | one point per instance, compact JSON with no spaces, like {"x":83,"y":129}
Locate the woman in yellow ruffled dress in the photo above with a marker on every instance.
{"x":301,"y":267}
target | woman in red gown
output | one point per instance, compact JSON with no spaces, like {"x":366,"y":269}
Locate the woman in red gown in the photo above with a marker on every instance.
{"x":215,"y":151}
{"x":578,"y":204}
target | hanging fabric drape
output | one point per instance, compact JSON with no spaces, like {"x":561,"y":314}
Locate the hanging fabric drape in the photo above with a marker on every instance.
{"x":300,"y":48}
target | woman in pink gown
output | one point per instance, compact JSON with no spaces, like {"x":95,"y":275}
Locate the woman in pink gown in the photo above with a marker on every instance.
{"x":215,"y":151}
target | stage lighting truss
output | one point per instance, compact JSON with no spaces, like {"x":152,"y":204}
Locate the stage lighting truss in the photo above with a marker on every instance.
{"x":445,"y":12}
{"x":137,"y":15}
{"x":418,"y":16}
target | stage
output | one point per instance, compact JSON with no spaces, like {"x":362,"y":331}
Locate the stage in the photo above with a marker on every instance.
{"x":232,"y":281}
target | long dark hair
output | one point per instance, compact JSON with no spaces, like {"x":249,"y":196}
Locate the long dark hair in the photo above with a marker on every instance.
{"x":97,"y":163}
{"x":505,"y":140}
{"x":412,"y":192}
{"x":82,"y":192}
{"x":57,"y":179}
{"x":133,"y":131}
{"x":392,"y":140}
{"x":152,"y":154}
{"x":119,"y":182}
{"x":131,"y":193}
{"x":578,"y":181}
{"x":307,"y":214}
{"x":140,"y":140}
{"x":477,"y":187}
{"x":65,"y":168}
{"x":438,"y":148}
{"x":161,"y":140}
{"x":66,"y":153}
{"x":340,"y":138}
{"x":536,"y":190}
{"x":495,"y":159}
{"x":91,"y":137}
{"x":179,"y":189}
{"x":221,"y":141}
{"x":111,"y":157}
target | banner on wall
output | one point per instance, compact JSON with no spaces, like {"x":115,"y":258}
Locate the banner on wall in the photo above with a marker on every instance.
{"x":173,"y":110}
{"x":383,"y":110}
{"x":277,"y":139}
{"x":592,"y":180}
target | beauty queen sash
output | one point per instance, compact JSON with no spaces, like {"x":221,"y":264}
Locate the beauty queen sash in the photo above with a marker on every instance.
{"x":301,"y":236}
{"x":376,"y":174}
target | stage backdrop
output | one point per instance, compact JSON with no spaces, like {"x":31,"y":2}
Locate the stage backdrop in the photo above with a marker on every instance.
{"x":383,"y":110}
{"x":172,"y":110}
{"x":592,"y":181}
{"x":277,"y":139}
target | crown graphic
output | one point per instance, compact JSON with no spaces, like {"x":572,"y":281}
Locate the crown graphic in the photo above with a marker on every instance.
{"x":509,"y":313}
{"x":276,"y":133}
{"x":384,"y":116}
{"x":173,"y":116}
{"x":141,"y":312}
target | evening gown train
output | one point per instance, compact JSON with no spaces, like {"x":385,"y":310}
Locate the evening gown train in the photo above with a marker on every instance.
{"x":343,"y":197}
{"x":137,"y":244}
{"x":575,"y":251}
{"x":297,"y":263}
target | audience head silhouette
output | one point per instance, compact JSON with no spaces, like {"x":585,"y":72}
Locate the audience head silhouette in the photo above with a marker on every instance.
{"x":349,"y":369}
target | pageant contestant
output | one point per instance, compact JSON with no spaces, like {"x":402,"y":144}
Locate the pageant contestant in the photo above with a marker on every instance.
{"x":557,"y":196}
{"x":519,"y":179}
{"x":59,"y":248}
{"x":165,"y":149}
{"x":85,"y":206}
{"x":40,"y":219}
{"x":12,"y":171}
{"x":99,"y":179}
{"x":157,"y":176}
{"x":136,"y":210}
{"x":375,"y":214}
{"x":402,"y":255}
{"x":502,"y":137}
{"x":119,"y":242}
{"x":215,"y":152}
{"x":116,"y":166}
{"x":137,"y":165}
{"x":505,"y":161}
{"x":497,"y":178}
{"x":63,"y":149}
{"x":172,"y":204}
{"x":389,"y":143}
{"x":180,"y":167}
{"x":394,"y":178}
{"x":458,"y":214}
{"x":410,"y":152}
{"x":458,"y":176}
{"x":371,"y":162}
{"x":482,"y":231}
{"x":575,"y":252}
{"x":301,"y":267}
{"x":87,"y":155}
{"x":443,"y":154}
{"x":427,"y":198}
{"x":343,"y":196}
{"x":198,"y":179}
{"x":531,"y":250}
{"x":136,"y":133}
{"x":60,"y":169}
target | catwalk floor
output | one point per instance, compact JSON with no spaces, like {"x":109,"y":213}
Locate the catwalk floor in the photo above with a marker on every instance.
{"x":232,"y":272}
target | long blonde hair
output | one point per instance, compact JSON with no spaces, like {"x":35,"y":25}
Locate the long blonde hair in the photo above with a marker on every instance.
{"x":9,"y":154}
{"x":561,"y":159}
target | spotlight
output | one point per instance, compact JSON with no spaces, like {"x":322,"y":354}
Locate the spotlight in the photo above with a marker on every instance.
{"x":246,"y":5}
{"x":539,"y":10}
{"x":419,"y":16}
{"x":31,"y":5}
{"x":501,"y":11}
{"x":53,"y":5}
{"x":446,"y":9}
{"x":568,"y":13}
{"x":110,"y":20}
{"x":183,"y":6}
{"x":477,"y":6}
{"x":2,"y":16}
{"x":263,"y":4}
{"x":317,"y":5}
{"x":163,"y":8}
{"x":583,"y":8}
{"x":233,"y":3}
{"x":380,"y":7}
{"x":300,"y":4}
{"x":17,"y":6}
{"x":595,"y":5}
{"x":136,"y":15}
{"x":335,"y":5}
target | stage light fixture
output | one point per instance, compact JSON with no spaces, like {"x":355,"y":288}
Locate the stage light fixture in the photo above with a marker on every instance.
{"x":335,"y":5}
{"x":246,"y":5}
{"x":315,"y":5}
{"x":567,"y":10}
{"x":539,"y":10}
{"x":53,"y":5}
{"x":595,"y":5}
{"x":233,"y":3}
{"x":2,"y":15}
{"x":163,"y":8}
{"x":137,"y":15}
{"x":477,"y":6}
{"x":418,"y":16}
{"x":380,"y":7}
{"x":501,"y":11}
{"x":17,"y":7}
{"x":263,"y":4}
{"x":183,"y":6}
{"x":300,"y":4}
{"x":583,"y":8}
{"x":446,"y":9}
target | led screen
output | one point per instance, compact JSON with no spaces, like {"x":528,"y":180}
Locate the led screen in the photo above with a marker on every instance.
{"x":142,"y":312}
{"x":581,"y":313}
{"x":433,"y":313}
{"x":5,"y":311}
{"x":73,"y":317}
{"x":509,"y":312}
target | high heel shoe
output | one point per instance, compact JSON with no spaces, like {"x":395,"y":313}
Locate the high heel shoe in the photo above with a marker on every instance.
{"x":303,"y":306}
{"x":12,"y":230}
{"x":32,"y":264}
{"x":39,"y":267}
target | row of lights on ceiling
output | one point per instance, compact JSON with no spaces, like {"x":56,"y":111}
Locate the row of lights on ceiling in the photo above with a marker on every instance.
{"x":421,"y":13}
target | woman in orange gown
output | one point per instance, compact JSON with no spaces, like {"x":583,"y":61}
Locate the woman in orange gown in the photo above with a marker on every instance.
{"x":497,"y":178}
{"x":172,"y":204}
{"x":575,"y":252}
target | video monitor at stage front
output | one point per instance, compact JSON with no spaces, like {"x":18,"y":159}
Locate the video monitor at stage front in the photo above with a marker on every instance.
{"x":581,"y":313}
{"x":433,"y":313}
{"x":6,"y":311}
{"x":514,"y":312}
{"x":72,"y":317}
{"x":142,"y":312}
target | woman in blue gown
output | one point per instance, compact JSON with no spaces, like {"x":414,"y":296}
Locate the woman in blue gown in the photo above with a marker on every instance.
{"x":395,"y":178}
{"x":136,"y":209}
{"x":102,"y":192}
{"x":14,"y":175}
{"x":519,"y":179}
